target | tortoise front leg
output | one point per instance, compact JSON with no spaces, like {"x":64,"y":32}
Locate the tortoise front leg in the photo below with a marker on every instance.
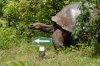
{"x":57,"y":39}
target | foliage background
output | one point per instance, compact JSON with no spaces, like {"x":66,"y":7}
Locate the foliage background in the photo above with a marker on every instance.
{"x":16,"y":48}
{"x":16,"y":15}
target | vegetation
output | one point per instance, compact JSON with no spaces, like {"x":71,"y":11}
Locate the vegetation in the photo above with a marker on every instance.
{"x":27,"y":55}
{"x":15,"y":37}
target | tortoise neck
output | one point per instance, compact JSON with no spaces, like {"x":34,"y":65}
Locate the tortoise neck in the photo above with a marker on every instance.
{"x":46,"y":28}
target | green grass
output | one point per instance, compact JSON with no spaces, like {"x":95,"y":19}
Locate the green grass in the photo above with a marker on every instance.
{"x":28,"y":55}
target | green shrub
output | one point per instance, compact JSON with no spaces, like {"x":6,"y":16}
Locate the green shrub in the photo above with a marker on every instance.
{"x":87,"y":25}
{"x":1,"y":5}
{"x":3,"y":23}
{"x":17,"y":14}
{"x":10,"y":9}
{"x":8,"y":38}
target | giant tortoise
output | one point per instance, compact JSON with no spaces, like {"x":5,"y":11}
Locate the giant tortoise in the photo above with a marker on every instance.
{"x":64,"y":23}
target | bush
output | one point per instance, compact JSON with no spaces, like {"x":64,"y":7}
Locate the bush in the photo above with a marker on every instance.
{"x":17,"y":14}
{"x":3,"y":23}
{"x":8,"y":38}
{"x":87,"y":25}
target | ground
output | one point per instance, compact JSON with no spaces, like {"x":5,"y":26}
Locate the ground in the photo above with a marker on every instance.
{"x":27,"y":55}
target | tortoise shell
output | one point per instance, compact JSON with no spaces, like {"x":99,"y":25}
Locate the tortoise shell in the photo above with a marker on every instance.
{"x":66,"y":18}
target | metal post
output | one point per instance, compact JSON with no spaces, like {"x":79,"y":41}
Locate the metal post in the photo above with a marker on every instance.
{"x":41,"y":51}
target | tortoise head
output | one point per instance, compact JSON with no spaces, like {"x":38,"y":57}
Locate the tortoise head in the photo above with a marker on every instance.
{"x":35,"y":26}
